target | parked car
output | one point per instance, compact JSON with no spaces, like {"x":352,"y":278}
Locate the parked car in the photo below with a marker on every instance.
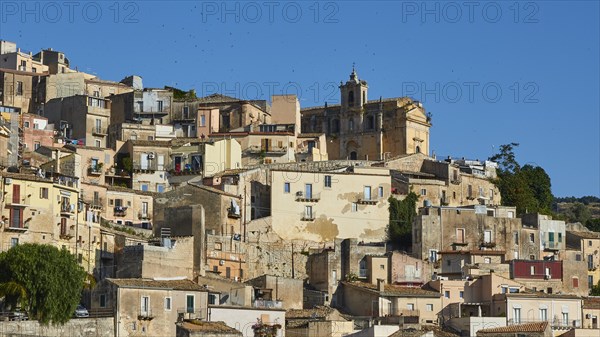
{"x":81,"y":311}
{"x":18,"y":315}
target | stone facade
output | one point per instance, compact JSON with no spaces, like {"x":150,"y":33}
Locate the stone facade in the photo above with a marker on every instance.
{"x":363,"y":129}
{"x":148,"y":261}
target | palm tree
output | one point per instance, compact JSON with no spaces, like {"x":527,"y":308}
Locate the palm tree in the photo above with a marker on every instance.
{"x":14,"y":293}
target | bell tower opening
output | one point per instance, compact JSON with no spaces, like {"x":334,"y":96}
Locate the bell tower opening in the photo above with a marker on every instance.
{"x":353,"y":92}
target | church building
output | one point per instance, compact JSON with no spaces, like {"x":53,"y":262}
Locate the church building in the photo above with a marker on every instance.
{"x":363,"y":129}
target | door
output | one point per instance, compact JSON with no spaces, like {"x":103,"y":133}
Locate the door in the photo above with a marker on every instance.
{"x":367,"y":192}
{"x":16,"y":198}
{"x":144,"y":161}
{"x":487,"y":236}
{"x":308,"y":191}
{"x":177,"y":164}
{"x":190,"y":303}
{"x":161,"y":163}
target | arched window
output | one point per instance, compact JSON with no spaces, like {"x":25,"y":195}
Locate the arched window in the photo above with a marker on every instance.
{"x":353,"y":155}
{"x":335,"y":126}
{"x":350,"y":98}
{"x":418,"y":149}
{"x":350,"y":124}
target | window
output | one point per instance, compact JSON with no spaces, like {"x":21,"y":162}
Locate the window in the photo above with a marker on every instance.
{"x":228,"y":272}
{"x":144,"y":187}
{"x":487,"y":236}
{"x":308,"y":212}
{"x":460,"y":235}
{"x":532,"y":270}
{"x":575,"y":282}
{"x":308,"y":191}
{"x":367,"y":192}
{"x":382,"y":266}
{"x":423,"y":191}
{"x":36,"y":145}
{"x":159,"y":106}
{"x":543,"y":314}
{"x":44,"y":193}
{"x":97,"y":143}
{"x":203,"y":120}
{"x":461,"y":294}
{"x":577,"y":257}
{"x":380,"y":192}
{"x":410,"y":306}
{"x":589,"y":243}
{"x":565,"y":318}
{"x":487,"y":260}
{"x":531,"y":237}
{"x":517,"y":315}
{"x":286,"y":187}
{"x":33,"y":69}
{"x":433,"y":255}
{"x":327,"y":181}
{"x":102,"y":301}
{"x":19,"y":88}
{"x":590,"y":281}
{"x":14,"y":242}
{"x":449,"y":263}
{"x":160,"y":188}
{"x":26,"y":124}
{"x":516,"y":236}
{"x":354,"y":207}
{"x":186,"y":112}
{"x":351,"y":125}
{"x":429,"y":307}
{"x":447,"y":294}
{"x":189,"y":303}
{"x":145,"y":305}
{"x":559,"y":237}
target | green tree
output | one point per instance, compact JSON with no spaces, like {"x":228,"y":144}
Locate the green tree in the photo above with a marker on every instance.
{"x":528,"y":188}
{"x":46,"y":281}
{"x":595,"y":291}
{"x":402,"y":214}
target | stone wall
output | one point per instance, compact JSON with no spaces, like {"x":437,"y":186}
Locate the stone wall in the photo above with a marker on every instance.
{"x":96,"y":327}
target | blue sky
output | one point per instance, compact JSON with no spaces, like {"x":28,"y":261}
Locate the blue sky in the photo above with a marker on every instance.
{"x":490,"y":72}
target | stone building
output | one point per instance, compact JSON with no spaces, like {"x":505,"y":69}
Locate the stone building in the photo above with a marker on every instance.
{"x":147,"y":106}
{"x":16,"y":59}
{"x":591,"y":312}
{"x":286,"y":290}
{"x":587,"y":246}
{"x":449,"y":182}
{"x":359,"y":128}
{"x":19,"y":90}
{"x":217,"y":113}
{"x":151,"y":307}
{"x":37,"y":132}
{"x":451,"y":228}
{"x":80,"y":117}
{"x":324,"y":205}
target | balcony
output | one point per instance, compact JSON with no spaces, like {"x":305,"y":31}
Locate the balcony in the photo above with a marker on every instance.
{"x":302,"y":197}
{"x":102,"y":132}
{"x":307,"y":216}
{"x":97,"y":203}
{"x":191,"y":313}
{"x":147,"y":168}
{"x":16,"y":203}
{"x":233,"y":213}
{"x":552,"y":246}
{"x":366,"y":201}
{"x":67,"y":233}
{"x":95,"y":170}
{"x":269,"y":150}
{"x":67,"y":209}
{"x":185,"y":169}
{"x":120,"y":211}
{"x":488,"y":244}
{"x":555,"y":324}
{"x":145,"y":315}
{"x":267,"y":304}
{"x":144,"y":216}
{"x":16,"y":227}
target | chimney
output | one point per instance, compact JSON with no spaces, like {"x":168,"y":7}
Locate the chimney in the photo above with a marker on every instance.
{"x":380,"y":284}
{"x":57,"y":168}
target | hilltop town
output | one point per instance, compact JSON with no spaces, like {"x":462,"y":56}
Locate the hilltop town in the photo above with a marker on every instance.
{"x":221,"y":216}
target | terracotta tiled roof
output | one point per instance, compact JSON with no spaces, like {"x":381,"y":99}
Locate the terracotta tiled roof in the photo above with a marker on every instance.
{"x":518,"y":328}
{"x":210,"y":327}
{"x":310,"y":135}
{"x":318,"y":312}
{"x":591,"y":303}
{"x":160,"y":284}
{"x":474,"y":252}
{"x":395,"y":290}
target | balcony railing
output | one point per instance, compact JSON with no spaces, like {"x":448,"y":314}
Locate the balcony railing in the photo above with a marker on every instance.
{"x":67,"y":233}
{"x":267,"y":304}
{"x":99,"y":131}
{"x":233,"y":213}
{"x":144,"y":215}
{"x":150,"y":167}
{"x":97,"y":203}
{"x":269,"y":149}
{"x":406,"y":312}
{"x":120,"y":211}
{"x":556,"y":323}
{"x":191,"y":313}
{"x":66,"y":208}
{"x":366,"y":201}
{"x":146,"y":315}
{"x":17,"y":227}
{"x":552,"y":245}
{"x":302,"y":197}
{"x":307,"y":216}
{"x":94,"y":170}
